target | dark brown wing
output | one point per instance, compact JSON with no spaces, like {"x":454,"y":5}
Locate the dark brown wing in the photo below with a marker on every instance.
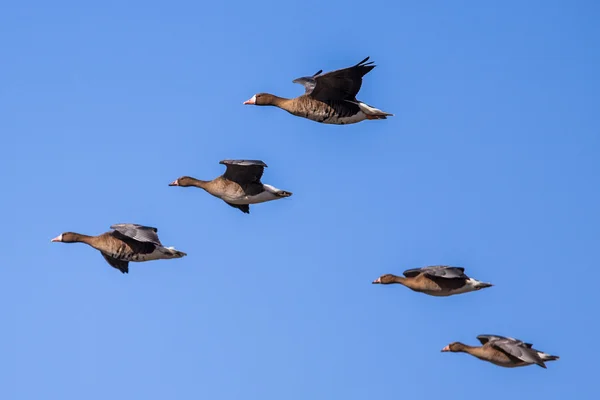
{"x":246,"y":173}
{"x":483,"y":339}
{"x":517,"y":349}
{"x":245,"y":208}
{"x":341,"y":84}
{"x":446,"y":277}
{"x":489,"y":338}
{"x":138,"y":232}
{"x":122,"y":266}
{"x":439,"y":271}
{"x":136,"y":246}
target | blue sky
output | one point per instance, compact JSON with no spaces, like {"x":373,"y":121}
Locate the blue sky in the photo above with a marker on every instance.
{"x":491,"y":163}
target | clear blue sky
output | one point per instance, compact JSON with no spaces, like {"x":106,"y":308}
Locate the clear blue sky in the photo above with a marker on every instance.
{"x":491,"y":163}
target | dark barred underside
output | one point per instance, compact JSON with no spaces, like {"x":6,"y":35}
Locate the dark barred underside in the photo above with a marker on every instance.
{"x":331,"y":112}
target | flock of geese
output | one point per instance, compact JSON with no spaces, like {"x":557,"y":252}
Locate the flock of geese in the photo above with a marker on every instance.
{"x":329,"y":98}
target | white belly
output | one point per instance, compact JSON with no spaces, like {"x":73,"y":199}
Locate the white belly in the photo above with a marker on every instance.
{"x":262,"y":197}
{"x":259,"y":198}
{"x":160,"y":253}
{"x":445,"y":293}
{"x":269,"y":193}
{"x":469,"y":287}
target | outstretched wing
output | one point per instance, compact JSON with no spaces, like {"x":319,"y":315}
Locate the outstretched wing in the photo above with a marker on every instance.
{"x":517,"y":349}
{"x":309,"y":82}
{"x":122,"y":266}
{"x":245,"y":208}
{"x":341,"y":84}
{"x":244,"y":172}
{"x":437,"y":271}
{"x":489,"y":338}
{"x":137,"y":232}
{"x":483,"y":339}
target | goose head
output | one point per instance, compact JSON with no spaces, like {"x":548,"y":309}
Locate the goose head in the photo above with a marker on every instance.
{"x":183,"y":181}
{"x":385,"y":279}
{"x":454,"y":347}
{"x":261,"y":99}
{"x":66,"y":237}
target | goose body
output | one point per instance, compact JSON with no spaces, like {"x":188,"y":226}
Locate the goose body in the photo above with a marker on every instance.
{"x":329,"y":98}
{"x":125,"y":243}
{"x":239,"y":186}
{"x":120,"y":250}
{"x":268,"y":194}
{"x":438,"y":280}
{"x":503,"y":351}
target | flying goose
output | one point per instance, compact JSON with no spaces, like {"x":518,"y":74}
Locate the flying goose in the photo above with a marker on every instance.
{"x":503,"y":351}
{"x":329,"y":98}
{"x":438,"y":280}
{"x":239,"y":186}
{"x":127,"y":242}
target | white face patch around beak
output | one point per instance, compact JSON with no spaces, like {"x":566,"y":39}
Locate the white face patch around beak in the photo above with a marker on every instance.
{"x":251,"y":101}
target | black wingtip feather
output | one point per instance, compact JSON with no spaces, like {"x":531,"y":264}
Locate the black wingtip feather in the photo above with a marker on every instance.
{"x":365,"y":68}
{"x":363,"y":64}
{"x":245,"y":208}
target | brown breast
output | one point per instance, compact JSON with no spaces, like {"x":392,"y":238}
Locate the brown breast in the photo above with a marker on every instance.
{"x":221,"y":186}
{"x":495,"y":356}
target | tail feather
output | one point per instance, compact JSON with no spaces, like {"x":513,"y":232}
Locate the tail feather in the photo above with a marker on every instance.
{"x":175,"y":253}
{"x":376,"y":116}
{"x":548,"y":357}
{"x":372,"y":112}
{"x":283,"y":193}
